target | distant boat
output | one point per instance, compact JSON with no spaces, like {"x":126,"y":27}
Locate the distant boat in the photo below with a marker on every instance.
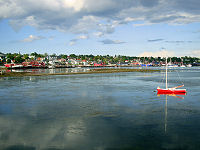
{"x":172,"y":90}
{"x":17,"y":66}
{"x":171,"y":66}
{"x":51,"y":66}
{"x":182,"y":66}
{"x":189,"y":65}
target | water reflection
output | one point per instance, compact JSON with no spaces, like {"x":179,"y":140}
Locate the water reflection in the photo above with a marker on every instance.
{"x":166,"y":95}
{"x":174,"y":95}
{"x":97,"y":112}
{"x":53,"y":70}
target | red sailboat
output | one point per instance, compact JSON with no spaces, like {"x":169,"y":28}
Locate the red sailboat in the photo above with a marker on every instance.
{"x":173,"y":90}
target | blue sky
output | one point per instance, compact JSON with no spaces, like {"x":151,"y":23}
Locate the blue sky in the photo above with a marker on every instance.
{"x":121,"y":27}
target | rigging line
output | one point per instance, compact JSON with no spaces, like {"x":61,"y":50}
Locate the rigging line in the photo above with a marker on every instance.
{"x":179,"y":78}
{"x":163,"y":75}
{"x":169,"y":76}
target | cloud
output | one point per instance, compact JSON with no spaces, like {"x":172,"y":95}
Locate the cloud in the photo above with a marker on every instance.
{"x":107,"y":28}
{"x":155,"y":40}
{"x":32,"y":38}
{"x":178,"y":42}
{"x":84,"y":16}
{"x":142,"y":24}
{"x":197,"y":31}
{"x":195,"y":53}
{"x":173,"y":42}
{"x":98,"y":34}
{"x":108,"y":41}
{"x":83,"y":37}
{"x":73,"y":42}
{"x":162,"y":53}
{"x":51,"y":37}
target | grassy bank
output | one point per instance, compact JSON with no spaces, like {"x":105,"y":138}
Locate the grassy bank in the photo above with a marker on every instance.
{"x":92,"y":71}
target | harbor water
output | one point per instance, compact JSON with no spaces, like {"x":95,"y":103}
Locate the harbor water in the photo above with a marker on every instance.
{"x":114,"y":111}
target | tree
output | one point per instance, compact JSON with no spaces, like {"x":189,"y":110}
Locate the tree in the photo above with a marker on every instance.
{"x":8,"y":60}
{"x":19,"y":59}
{"x":72,"y":55}
{"x":10,"y":56}
{"x":45,"y":54}
{"x":26,"y":56}
{"x":123,"y":58}
{"x":62,"y":56}
{"x":53,"y":55}
{"x":34,"y":54}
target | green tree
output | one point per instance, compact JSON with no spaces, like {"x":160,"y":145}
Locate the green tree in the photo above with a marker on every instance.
{"x":8,"y":60}
{"x":123,"y":58}
{"x":10,"y":56}
{"x":53,"y":55}
{"x":45,"y":54}
{"x":19,"y":59}
{"x":34,"y":54}
{"x":62,"y":56}
{"x":26,"y":56}
{"x":72,"y":55}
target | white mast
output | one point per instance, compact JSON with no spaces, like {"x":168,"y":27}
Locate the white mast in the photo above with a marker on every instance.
{"x":166,"y":72}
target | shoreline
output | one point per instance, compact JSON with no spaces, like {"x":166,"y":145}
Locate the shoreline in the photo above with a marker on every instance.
{"x":92,"y":71}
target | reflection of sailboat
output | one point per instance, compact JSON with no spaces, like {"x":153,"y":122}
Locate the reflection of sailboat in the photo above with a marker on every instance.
{"x":172,"y":90}
{"x":166,"y":114}
{"x":174,"y":95}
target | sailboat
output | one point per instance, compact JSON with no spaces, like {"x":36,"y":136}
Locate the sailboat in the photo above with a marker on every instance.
{"x":173,"y":90}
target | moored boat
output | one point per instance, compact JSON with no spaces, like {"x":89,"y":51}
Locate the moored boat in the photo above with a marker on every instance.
{"x":189,"y":65}
{"x":172,"y":90}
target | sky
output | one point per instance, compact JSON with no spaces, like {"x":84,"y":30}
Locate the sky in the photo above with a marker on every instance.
{"x":104,"y":27}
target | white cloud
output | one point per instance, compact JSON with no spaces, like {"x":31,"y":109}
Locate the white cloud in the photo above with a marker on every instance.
{"x":162,"y":53}
{"x":85,"y":24}
{"x":195,"y":53}
{"x":83,"y":37}
{"x":84,"y":16}
{"x":32,"y":38}
{"x":71,"y":43}
{"x":98,"y":34}
{"x":77,"y":5}
{"x":142,"y":24}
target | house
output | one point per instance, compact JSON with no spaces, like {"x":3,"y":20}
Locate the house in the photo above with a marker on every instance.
{"x":99,"y":64}
{"x":84,"y":62}
{"x":74,"y":62}
{"x":2,"y":56}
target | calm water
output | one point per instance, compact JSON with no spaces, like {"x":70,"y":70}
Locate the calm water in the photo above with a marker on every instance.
{"x":117,"y":111}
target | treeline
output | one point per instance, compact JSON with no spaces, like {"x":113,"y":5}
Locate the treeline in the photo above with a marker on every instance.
{"x":19,"y":58}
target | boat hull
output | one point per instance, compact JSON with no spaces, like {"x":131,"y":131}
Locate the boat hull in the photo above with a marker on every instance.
{"x":171,"y":91}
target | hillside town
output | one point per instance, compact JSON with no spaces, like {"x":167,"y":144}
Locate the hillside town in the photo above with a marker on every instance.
{"x":35,"y":60}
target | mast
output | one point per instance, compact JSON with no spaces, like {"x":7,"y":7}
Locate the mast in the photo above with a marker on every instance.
{"x":166,"y":73}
